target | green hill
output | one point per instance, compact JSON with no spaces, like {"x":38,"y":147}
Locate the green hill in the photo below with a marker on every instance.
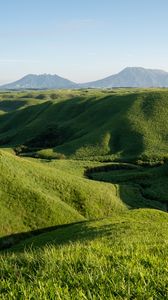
{"x":83,"y":194}
{"x":38,"y":194}
{"x":107,"y":125}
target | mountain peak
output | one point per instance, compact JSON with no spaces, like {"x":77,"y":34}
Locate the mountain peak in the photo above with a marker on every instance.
{"x":128,"y":77}
{"x":133,"y":77}
{"x":41,"y":81}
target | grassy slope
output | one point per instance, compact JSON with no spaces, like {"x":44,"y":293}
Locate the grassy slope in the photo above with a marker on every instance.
{"x":122,"y":124}
{"x":151,"y":182}
{"x":116,"y":258}
{"x":36,"y":194}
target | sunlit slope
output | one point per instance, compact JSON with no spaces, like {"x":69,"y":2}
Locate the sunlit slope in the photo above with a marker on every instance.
{"x":129,"y":222}
{"x":36,"y":195}
{"x":126,"y":125}
{"x":124,"y":257}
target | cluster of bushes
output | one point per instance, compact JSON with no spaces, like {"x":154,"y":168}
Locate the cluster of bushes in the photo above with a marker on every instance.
{"x":54,"y":96}
{"x":48,"y":154}
{"x":51,"y":137}
{"x":42,"y":97}
{"x":110,"y":167}
{"x":151,"y":161}
{"x":23,"y":150}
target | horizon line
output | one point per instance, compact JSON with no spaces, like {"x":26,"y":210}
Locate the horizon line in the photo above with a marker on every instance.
{"x":75,"y":82}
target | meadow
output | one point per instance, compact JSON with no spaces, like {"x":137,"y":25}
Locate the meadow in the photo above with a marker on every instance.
{"x":83,"y":194}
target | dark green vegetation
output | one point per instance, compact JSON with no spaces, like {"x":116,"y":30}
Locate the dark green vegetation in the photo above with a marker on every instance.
{"x":83,"y":194}
{"x":148,"y":182}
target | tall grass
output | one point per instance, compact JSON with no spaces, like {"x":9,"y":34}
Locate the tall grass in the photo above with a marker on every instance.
{"x":122,"y":258}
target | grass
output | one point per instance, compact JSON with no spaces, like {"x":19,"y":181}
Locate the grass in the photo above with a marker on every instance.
{"x":37,"y":194}
{"x":83,"y":194}
{"x":114,"y":125}
{"x":151,"y":182}
{"x":115,"y":258}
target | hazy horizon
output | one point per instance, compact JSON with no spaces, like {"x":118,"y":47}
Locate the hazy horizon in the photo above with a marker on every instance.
{"x":81,"y":41}
{"x":76,"y":81}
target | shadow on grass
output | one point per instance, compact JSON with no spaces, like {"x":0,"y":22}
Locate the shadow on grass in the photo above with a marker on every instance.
{"x":11,"y":105}
{"x":80,"y":117}
{"x":9,"y":241}
{"x":132,"y":181}
{"x":61,"y":235}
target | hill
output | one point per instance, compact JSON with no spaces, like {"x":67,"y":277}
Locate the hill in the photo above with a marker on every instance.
{"x":132,"y":77}
{"x":125,"y":125}
{"x":38,"y":194}
{"x":84,"y":130}
{"x":43,"y":81}
{"x":83,"y":194}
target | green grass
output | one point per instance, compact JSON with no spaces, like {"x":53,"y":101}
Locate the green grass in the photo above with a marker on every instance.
{"x":150,"y":182}
{"x":115,"y":258}
{"x":113,"y":125}
{"x":37,"y":194}
{"x":83,"y":194}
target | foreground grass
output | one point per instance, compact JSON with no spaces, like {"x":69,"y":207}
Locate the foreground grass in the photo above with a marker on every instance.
{"x":115,"y":258}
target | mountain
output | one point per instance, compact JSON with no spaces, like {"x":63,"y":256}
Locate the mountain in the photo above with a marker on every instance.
{"x":129,"y":77}
{"x":43,"y":81}
{"x":132,"y":77}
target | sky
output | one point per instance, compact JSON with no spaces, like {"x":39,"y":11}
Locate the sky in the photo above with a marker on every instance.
{"x":82,"y":40}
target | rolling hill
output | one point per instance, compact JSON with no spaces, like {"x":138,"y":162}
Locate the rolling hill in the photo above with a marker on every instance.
{"x":38,"y":194}
{"x":83,"y":194}
{"x":96,"y":128}
{"x":122,"y":125}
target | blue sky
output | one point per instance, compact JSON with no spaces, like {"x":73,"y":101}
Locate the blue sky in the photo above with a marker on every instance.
{"x":82,"y":40}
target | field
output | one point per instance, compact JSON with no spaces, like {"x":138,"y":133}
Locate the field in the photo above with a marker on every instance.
{"x":83,"y":186}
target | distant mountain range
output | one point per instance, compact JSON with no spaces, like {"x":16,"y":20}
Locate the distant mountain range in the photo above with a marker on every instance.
{"x":129,"y":77}
{"x":43,"y":81}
